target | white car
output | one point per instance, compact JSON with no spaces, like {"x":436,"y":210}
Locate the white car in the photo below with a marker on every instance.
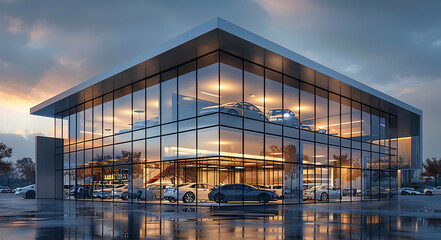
{"x":322,"y":193}
{"x":408,"y":191}
{"x":118,"y":191}
{"x":27,"y":192}
{"x":432,"y":191}
{"x":188,"y":192}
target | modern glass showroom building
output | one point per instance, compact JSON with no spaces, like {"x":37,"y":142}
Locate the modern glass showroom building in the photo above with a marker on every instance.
{"x":219,"y":115}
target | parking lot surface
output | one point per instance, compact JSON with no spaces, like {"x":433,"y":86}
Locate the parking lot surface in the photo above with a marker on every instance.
{"x":409,"y":217}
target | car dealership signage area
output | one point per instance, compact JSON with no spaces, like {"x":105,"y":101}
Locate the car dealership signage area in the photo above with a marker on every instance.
{"x":220,"y":116}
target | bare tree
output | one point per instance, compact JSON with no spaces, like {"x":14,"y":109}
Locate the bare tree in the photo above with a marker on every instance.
{"x":26,"y":168}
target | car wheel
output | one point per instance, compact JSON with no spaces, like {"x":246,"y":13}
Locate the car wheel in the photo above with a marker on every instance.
{"x":219,"y":198}
{"x":125,"y":196}
{"x":429,"y":193}
{"x":30,"y":195}
{"x":324,"y":197}
{"x":263,"y":198}
{"x":413,"y":194}
{"x":233,"y":112}
{"x":151,"y":197}
{"x":188,"y":197}
{"x":404,"y":193}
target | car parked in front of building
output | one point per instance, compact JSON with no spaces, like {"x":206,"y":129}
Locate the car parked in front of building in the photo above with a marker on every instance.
{"x":239,"y":192}
{"x":28,"y":192}
{"x":5,"y":189}
{"x":433,"y":191}
{"x":408,"y":191}
{"x":422,"y":188}
{"x":188,"y":192}
{"x":322,"y":193}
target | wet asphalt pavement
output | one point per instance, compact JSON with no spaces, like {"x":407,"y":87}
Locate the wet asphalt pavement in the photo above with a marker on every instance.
{"x":409,"y":217}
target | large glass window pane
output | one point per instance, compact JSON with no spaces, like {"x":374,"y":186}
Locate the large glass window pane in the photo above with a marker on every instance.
{"x":384,"y":129}
{"x":153,"y":149}
{"x":88,"y":121}
{"x":72,"y":126}
{"x":169,"y":147}
{"x":169,"y":96}
{"x":187,"y":144}
{"x":273,"y":96}
{"x":321,"y":154}
{"x":231,"y":84}
{"x":139,"y":105}
{"x":139,"y":151}
{"x":307,"y":152}
{"x":97,"y":118}
{"x":345,"y":117}
{"x":273,"y":148}
{"x":321,"y":109}
{"x":366,"y":124}
{"x":334,"y":156}
{"x":152,"y":101}
{"x":253,"y":90}
{"x":66,"y":127}
{"x":208,"y":84}
{"x":375,"y":117}
{"x":253,"y":145}
{"x":334,"y":115}
{"x":290,"y":102}
{"x":187,"y":90}
{"x":231,"y":142}
{"x":356,"y":121}
{"x":80,"y":123}
{"x":208,"y":142}
{"x":307,"y":112}
{"x":123,"y":153}
{"x":108,"y":114}
{"x":123,"y":110}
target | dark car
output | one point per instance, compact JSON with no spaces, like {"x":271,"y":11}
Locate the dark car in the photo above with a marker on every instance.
{"x":83,"y":191}
{"x":239,"y":192}
{"x":377,"y":193}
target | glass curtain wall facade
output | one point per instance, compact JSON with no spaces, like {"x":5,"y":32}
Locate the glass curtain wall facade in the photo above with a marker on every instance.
{"x":223,"y":130}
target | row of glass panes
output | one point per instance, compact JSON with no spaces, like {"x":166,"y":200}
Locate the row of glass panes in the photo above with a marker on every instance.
{"x":258,"y":93}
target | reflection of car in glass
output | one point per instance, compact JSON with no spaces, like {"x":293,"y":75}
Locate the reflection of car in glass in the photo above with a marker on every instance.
{"x":283,"y":116}
{"x":322,"y":193}
{"x":273,"y":188}
{"x":141,"y":124}
{"x":188,"y":192}
{"x":152,"y":192}
{"x":377,"y":192}
{"x":235,"y":108}
{"x":239,"y":192}
{"x":408,"y":191}
{"x":349,"y":192}
{"x":83,"y":191}
{"x":119,"y":190}
{"x":101,"y":194}
{"x":27,"y":192}
{"x":433,"y":191}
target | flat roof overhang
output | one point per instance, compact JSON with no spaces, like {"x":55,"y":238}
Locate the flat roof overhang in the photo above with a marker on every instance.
{"x":220,"y":34}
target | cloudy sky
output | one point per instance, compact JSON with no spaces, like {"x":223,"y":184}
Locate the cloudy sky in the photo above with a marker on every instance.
{"x":47,"y":47}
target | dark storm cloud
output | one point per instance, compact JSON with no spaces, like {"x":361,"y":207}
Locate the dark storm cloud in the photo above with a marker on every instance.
{"x":393,"y":46}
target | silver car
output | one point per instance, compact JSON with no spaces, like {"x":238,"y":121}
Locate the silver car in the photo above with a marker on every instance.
{"x":235,"y":108}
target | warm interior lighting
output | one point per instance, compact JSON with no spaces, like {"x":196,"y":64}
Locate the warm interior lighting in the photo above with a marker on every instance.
{"x":209,"y":94}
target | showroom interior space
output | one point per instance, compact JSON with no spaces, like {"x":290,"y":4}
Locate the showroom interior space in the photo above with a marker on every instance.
{"x":220,"y":116}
